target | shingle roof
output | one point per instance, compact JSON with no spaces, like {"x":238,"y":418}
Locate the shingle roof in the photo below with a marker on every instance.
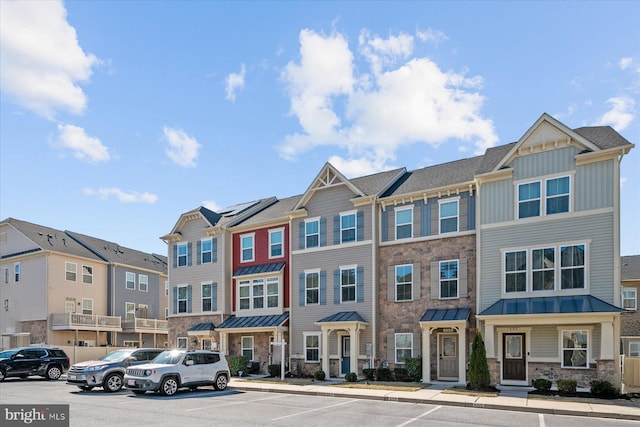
{"x":550,"y":305}
{"x":630,"y":267}
{"x":603,"y":136}
{"x":373,"y":184}
{"x":272,"y":321}
{"x":50,"y":239}
{"x":115,"y":253}
{"x":343,"y":316}
{"x":275,"y":211}
{"x":259,"y":269}
{"x":445,"y":314}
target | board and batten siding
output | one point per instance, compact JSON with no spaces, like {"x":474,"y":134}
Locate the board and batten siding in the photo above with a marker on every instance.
{"x":597,"y":229}
{"x":595,"y":186}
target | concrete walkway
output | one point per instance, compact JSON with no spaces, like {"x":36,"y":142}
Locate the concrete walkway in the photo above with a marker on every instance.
{"x":510,"y":398}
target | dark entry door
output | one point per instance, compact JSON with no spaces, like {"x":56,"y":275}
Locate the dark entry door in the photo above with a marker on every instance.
{"x":514,"y":360}
{"x":346,"y":354}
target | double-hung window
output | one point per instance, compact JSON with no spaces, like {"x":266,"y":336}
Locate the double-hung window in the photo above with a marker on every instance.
{"x":206,"y":255}
{"x":404,"y":347}
{"x":449,"y":216}
{"x":247,"y":347}
{"x":87,"y":306}
{"x":273,"y":290}
{"x":70,"y":271}
{"x":536,"y":199}
{"x":543,"y":269}
{"x":557,"y":195}
{"x":312,"y":233}
{"x":244,"y":295}
{"x":16,"y":272}
{"x":246,"y":248}
{"x":143,"y":283}
{"x":404,"y":282}
{"x":182,"y":343}
{"x":449,"y":279}
{"x":207,"y":297}
{"x":258,"y":293}
{"x":276,"y":243}
{"x":130,"y":280}
{"x":312,"y":348}
{"x":629,"y":298}
{"x":529,"y":199}
{"x":182,"y":299}
{"x":348,"y":227}
{"x":348,"y":284}
{"x":515,"y":271}
{"x":404,"y":223}
{"x":182,"y":252}
{"x":572,"y":267}
{"x":312,"y":288}
{"x":87,"y":274}
{"x":575,"y":349}
{"x":634,"y":349}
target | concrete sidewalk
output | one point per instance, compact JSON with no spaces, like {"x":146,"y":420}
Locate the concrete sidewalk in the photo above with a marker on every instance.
{"x":511,"y":398}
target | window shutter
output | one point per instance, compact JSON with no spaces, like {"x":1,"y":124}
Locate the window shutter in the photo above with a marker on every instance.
{"x":384,"y":226}
{"x":463,"y":211}
{"x":189,"y":251}
{"x":336,"y":230}
{"x":391,"y":283}
{"x":302,"y":290}
{"x":301,"y":240}
{"x":214,"y":296}
{"x":417,"y":349}
{"x":189,"y":298}
{"x":214,"y":250}
{"x":360,"y":284}
{"x":199,"y":251}
{"x":471,"y":213}
{"x":323,"y":232}
{"x":175,"y":255}
{"x":175,"y":300}
{"x":462,"y":279}
{"x":417,"y":281}
{"x":391,"y":347}
{"x":435,"y":280}
{"x":360,"y":226}
{"x":435,"y":218}
{"x":336,"y":286}
{"x":323,"y":287}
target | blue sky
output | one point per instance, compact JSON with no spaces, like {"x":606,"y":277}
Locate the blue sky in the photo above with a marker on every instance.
{"x":116,"y":117}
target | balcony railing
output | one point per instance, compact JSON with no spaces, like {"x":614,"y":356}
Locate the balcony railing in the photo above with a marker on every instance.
{"x":137,"y":324}
{"x":87,"y":322}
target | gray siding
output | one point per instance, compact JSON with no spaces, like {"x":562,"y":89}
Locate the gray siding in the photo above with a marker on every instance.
{"x":497,"y":202}
{"x":595,"y":186}
{"x":544,"y":163}
{"x":151,"y":298}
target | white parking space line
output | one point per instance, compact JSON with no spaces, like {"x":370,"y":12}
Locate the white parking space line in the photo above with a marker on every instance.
{"x":419,"y":416}
{"x":314,"y":410}
{"x":541,"y":419}
{"x":227,"y":403}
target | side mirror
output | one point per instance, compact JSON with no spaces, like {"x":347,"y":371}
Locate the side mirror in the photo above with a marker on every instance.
{"x":17,"y":356}
{"x":129,"y":360}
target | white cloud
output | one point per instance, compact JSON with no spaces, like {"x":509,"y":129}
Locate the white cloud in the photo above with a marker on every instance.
{"x":625,"y":63}
{"x":352,"y":168}
{"x":235,"y":81}
{"x":431,"y":36}
{"x":211,"y":205}
{"x":182,"y":149}
{"x":620,"y":115}
{"x":82,"y":145}
{"x":42,"y":62}
{"x":404,"y":100}
{"x":122,"y":196}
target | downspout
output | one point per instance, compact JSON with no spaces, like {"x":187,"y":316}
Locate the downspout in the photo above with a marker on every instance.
{"x":46,"y":297}
{"x":478,"y":253}
{"x":374,"y":279}
{"x":616,"y":233}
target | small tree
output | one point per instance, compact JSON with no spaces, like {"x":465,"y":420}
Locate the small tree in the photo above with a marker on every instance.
{"x":479,"y":376}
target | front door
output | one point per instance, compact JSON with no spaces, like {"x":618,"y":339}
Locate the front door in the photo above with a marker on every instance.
{"x":346,"y":355}
{"x":448,"y":357}
{"x":514,"y":360}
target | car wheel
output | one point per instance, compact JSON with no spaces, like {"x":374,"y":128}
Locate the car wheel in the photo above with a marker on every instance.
{"x":221,"y":382}
{"x":169,"y":386}
{"x":2,"y":375}
{"x":112,"y":383}
{"x":53,"y":372}
{"x":138,"y":391}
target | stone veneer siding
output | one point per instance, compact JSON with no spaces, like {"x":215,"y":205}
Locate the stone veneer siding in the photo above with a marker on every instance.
{"x":396,"y":317}
{"x":179,"y":327}
{"x":261,"y":347}
{"x":37,"y":330}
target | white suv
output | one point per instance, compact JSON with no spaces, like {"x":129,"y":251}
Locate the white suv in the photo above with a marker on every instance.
{"x":176,"y":369}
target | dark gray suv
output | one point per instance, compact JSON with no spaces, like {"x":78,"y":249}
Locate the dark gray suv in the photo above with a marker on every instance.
{"x":26,"y":361}
{"x":107,"y":372}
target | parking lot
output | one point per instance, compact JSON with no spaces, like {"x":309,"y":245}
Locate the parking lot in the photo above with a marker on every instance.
{"x":206,"y":407}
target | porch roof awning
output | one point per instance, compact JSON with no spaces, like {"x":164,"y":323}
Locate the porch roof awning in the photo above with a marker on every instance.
{"x":550,"y":305}
{"x":201,"y":329}
{"x":445,"y":314}
{"x":272,"y":321}
{"x":259,"y":269}
{"x":343,"y":316}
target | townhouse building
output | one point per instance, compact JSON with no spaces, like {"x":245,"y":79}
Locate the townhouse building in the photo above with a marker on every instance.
{"x":630,"y":317}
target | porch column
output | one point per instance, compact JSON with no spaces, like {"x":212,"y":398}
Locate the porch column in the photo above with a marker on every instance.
{"x":224,"y":343}
{"x":489,"y":342}
{"x":462,"y":355}
{"x":607,"y":343}
{"x":325,"y":352}
{"x":426,"y":354}
{"x":354,"y":348}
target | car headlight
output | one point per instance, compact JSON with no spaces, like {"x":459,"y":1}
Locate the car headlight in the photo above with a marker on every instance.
{"x":97,"y":368}
{"x":148,"y":372}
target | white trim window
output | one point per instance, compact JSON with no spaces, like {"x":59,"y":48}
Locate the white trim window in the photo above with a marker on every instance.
{"x":630,"y":298}
{"x":69,"y":305}
{"x":575,"y":348}
{"x":247,"y":247}
{"x":348,"y":284}
{"x":449,"y":279}
{"x":130,"y":280}
{"x":348,"y":227}
{"x":244,"y":295}
{"x":129,"y":310}
{"x":273,"y":292}
{"x":87,"y":274}
{"x":87,"y":306}
{"x":183,"y":343}
{"x":449,"y":214}
{"x":252,"y":294}
{"x":276,"y":243}
{"x":312,"y":287}
{"x":166,"y":288}
{"x":70,"y":271}
{"x":404,"y":347}
{"x":634,"y":348}
{"x":182,"y":300}
{"x":558,"y":194}
{"x":572,"y":267}
{"x":312,"y":347}
{"x":182,"y":251}
{"x":16,"y":272}
{"x":404,"y":223}
{"x":404,"y":282}
{"x":143,"y":283}
{"x":312,"y":233}
{"x":206,"y":251}
{"x":247,"y":347}
{"x":535,"y":200}
{"x":207,"y":297}
{"x":515,"y":271}
{"x":543,"y":269}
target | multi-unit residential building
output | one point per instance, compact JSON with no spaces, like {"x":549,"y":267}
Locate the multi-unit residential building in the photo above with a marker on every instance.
{"x":630,"y":317}
{"x":63,"y":288}
{"x":520,"y":244}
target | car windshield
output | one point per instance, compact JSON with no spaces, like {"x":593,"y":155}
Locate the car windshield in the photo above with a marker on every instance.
{"x":168,"y":357}
{"x":115,"y":356}
{"x":8,"y":353}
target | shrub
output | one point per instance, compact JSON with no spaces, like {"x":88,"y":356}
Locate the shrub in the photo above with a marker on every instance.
{"x":400,"y":374}
{"x":567,"y":386}
{"x":541,"y":384}
{"x":414,"y":368}
{"x":604,"y":388}
{"x":383,"y":374}
{"x":319,"y":375}
{"x":369,"y":373}
{"x":479,"y":376}
{"x":274,"y":370}
{"x":238,"y":363}
{"x":351,"y":377}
